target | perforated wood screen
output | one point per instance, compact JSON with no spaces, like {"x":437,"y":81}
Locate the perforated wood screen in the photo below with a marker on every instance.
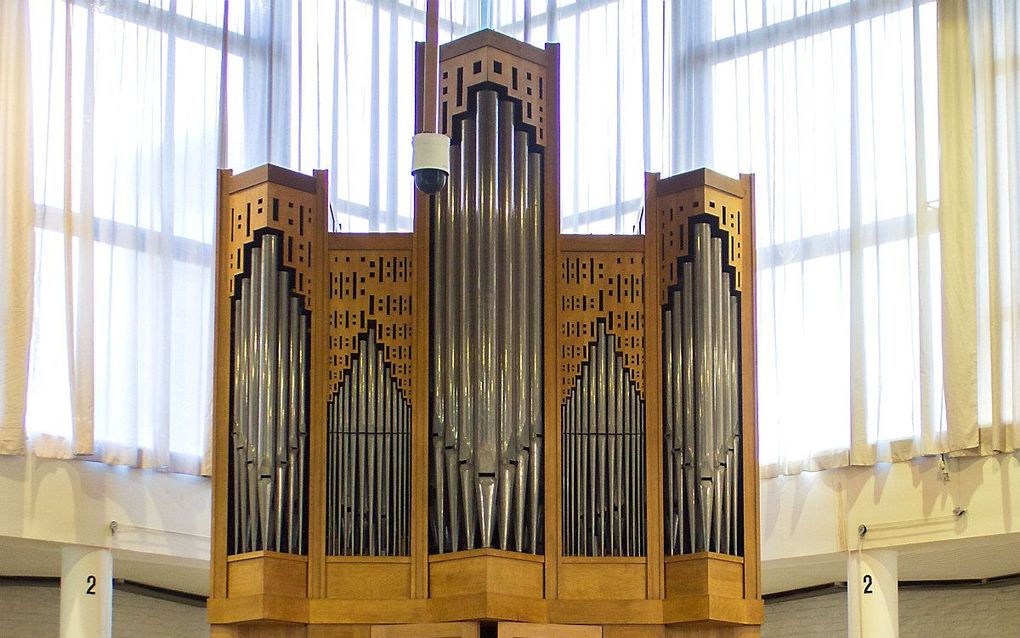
{"x":600,"y":286}
{"x":370,"y":287}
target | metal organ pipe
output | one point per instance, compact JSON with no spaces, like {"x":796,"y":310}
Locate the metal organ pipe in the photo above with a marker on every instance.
{"x":440,"y":384}
{"x":534,"y":383}
{"x":487,"y":431}
{"x":603,"y":444}
{"x":486,"y":342}
{"x":456,"y":377}
{"x":268,"y":429}
{"x":367,"y":461}
{"x":701,"y":411}
{"x":506,"y":401}
{"x":520,"y":342}
{"x":469,"y":240}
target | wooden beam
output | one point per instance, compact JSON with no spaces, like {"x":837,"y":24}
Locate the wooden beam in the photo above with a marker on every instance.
{"x":550,"y":259}
{"x":653,"y":385}
{"x":318,"y":393}
{"x":221,"y":392}
{"x":748,"y":371}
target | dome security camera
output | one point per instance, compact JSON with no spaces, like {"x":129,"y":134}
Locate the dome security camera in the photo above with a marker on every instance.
{"x":430,"y":161}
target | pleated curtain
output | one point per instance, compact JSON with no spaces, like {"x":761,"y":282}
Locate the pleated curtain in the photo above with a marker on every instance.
{"x":17,"y":219}
{"x":979,"y":51}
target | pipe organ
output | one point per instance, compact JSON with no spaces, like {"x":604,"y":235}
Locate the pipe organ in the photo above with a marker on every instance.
{"x":485,"y":426}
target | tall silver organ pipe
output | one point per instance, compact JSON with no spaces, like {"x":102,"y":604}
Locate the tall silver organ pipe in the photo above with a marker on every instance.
{"x":603,"y":479}
{"x":269,"y":428}
{"x":486,"y":407}
{"x":368,"y":458}
{"x":701,"y":401}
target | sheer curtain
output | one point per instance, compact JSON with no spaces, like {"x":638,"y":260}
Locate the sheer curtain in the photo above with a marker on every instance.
{"x":612,"y":115}
{"x":16,"y":221}
{"x":137,"y":102}
{"x":980,"y":51}
{"x":611,"y":100}
{"x":126,"y":105}
{"x":833,"y":106}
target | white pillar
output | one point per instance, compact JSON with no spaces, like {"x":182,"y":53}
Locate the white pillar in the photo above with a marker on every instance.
{"x":873,"y":594}
{"x":86,"y":592}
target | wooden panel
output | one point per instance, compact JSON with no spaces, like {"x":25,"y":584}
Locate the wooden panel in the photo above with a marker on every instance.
{"x":221,"y":396}
{"x":427,"y":630}
{"x":600,"y":286}
{"x":485,"y":571}
{"x":603,"y":612}
{"x":489,"y":38}
{"x":531,"y":630}
{"x":339,"y":631}
{"x":602,"y":243}
{"x":363,"y":579}
{"x":367,"y":611}
{"x":272,"y":173}
{"x":245,"y":578}
{"x":487,"y":606}
{"x":705,"y":574}
{"x":369,"y":241}
{"x":317,"y":398}
{"x":653,"y":403}
{"x":633,"y":631}
{"x":371,"y":287}
{"x":736,"y":611}
{"x":294,"y":213}
{"x":676,"y":214}
{"x":265,"y":608}
{"x":749,"y":407}
{"x":712,"y":630}
{"x":259,"y":630}
{"x":698,"y":177}
{"x":523,"y":80}
{"x":551,"y":248}
{"x":602,"y":580}
{"x":267,"y":573}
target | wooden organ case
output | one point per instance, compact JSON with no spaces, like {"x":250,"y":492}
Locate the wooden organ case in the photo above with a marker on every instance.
{"x":485,"y":427}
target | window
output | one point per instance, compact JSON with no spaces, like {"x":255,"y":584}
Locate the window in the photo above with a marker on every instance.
{"x":833,"y":106}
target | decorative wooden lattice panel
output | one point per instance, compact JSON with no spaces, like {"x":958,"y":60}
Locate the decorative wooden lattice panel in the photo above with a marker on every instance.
{"x":370,"y":287}
{"x":606,"y":286}
{"x":676,"y":210}
{"x":524,"y":80}
{"x":288,"y":210}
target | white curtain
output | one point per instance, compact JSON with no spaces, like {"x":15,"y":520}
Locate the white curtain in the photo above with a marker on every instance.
{"x":611,"y":100}
{"x":980,"y":50}
{"x":126,"y":105}
{"x":831,"y":104}
{"x":136,"y":103}
{"x":16,"y":221}
{"x":833,"y":107}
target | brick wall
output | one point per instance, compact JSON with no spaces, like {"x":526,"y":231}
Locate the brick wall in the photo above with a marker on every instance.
{"x":958,"y":612}
{"x":34,"y":612}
